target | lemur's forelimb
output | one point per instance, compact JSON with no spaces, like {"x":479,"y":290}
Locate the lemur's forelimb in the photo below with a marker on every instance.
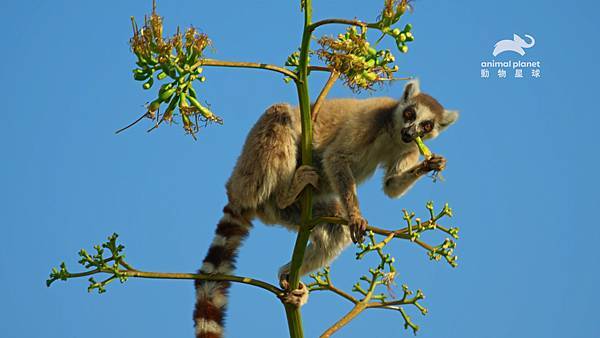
{"x":339,"y":172}
{"x":402,"y":175}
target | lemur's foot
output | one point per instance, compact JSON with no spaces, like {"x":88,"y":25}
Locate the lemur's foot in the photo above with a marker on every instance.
{"x":435,"y":163}
{"x":305,"y":175}
{"x":358,"y":227}
{"x":296,"y":297}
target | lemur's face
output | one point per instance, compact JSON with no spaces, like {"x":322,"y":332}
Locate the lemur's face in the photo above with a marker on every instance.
{"x":419,"y":114}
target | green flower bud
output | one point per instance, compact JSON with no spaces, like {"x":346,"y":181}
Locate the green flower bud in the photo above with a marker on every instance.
{"x":404,"y":49}
{"x":167,"y":94}
{"x":396,"y":32}
{"x":148,"y":84}
{"x":402,"y":37}
{"x":154,"y":105}
{"x":370,"y":76}
{"x":161,"y":75}
{"x":192,"y":91}
{"x":408,"y":27}
{"x":141,"y":75}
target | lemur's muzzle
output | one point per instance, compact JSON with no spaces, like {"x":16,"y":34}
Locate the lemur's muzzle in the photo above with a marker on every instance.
{"x":409,"y":133}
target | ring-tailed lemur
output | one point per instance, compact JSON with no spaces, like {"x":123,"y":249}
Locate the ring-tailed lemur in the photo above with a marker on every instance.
{"x":351,"y":139}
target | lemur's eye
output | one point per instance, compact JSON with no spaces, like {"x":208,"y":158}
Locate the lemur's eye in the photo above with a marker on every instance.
{"x":409,"y":114}
{"x":427,"y":126}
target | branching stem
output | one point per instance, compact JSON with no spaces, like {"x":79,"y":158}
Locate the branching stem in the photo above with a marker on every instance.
{"x":130,"y":272}
{"x":350,"y":22}
{"x":317,"y":106}
{"x":235,"y":64}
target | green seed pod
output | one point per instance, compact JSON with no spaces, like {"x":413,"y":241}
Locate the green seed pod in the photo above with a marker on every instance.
{"x":370,"y":76}
{"x":164,"y":97}
{"x":192,"y":91}
{"x":195,"y":103}
{"x":161,"y":75}
{"x":148,"y":84}
{"x":141,"y":77}
{"x":152,"y":61}
{"x":168,"y":70}
{"x":203,"y":110}
{"x":154,"y":105}
{"x":142,"y":62}
{"x":187,"y":123}
{"x":166,"y":86}
{"x":168,"y":115}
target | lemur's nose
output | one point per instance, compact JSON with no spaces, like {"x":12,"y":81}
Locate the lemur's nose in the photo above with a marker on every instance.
{"x":408,"y":134}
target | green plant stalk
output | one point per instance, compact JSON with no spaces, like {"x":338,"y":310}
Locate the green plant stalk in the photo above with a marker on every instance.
{"x":293,"y":315}
{"x":423,"y":149}
{"x":132,"y":273}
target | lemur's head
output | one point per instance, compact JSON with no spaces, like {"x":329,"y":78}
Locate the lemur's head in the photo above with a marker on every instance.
{"x":419,"y":114}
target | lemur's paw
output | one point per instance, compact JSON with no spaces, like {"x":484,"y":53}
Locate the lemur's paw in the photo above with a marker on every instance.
{"x":296,"y":297}
{"x":358,"y":227}
{"x":435,"y":163}
{"x":306,"y":175}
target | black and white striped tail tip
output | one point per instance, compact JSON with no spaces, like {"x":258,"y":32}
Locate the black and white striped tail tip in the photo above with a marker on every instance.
{"x":211,"y":296}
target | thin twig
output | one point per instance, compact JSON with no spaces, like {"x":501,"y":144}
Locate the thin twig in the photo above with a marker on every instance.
{"x":317,"y":106}
{"x":132,"y":123}
{"x":356,"y":310}
{"x":349,"y":22}
{"x":320,"y":68}
{"x":339,"y":292}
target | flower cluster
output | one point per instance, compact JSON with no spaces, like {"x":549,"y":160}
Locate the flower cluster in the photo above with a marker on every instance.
{"x":96,"y":263}
{"x":392,"y":11}
{"x":360,"y":65}
{"x":178,"y":60}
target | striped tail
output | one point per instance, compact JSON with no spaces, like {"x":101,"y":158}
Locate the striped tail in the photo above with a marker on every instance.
{"x":211,"y":296}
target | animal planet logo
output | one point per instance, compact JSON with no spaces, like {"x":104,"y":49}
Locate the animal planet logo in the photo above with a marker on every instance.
{"x":517,"y":45}
{"x":519,"y":67}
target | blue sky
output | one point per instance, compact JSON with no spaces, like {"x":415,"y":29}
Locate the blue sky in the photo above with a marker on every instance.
{"x":521,"y":170}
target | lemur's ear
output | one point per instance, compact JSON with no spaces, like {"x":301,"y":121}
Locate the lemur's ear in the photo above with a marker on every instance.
{"x":448,"y":118}
{"x":411,"y":90}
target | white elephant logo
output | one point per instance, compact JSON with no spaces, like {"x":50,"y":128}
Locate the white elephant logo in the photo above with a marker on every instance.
{"x":517,"y":45}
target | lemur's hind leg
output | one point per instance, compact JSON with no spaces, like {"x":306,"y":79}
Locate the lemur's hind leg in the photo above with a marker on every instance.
{"x":268,"y":161}
{"x":326,"y":242}
{"x":304,"y":175}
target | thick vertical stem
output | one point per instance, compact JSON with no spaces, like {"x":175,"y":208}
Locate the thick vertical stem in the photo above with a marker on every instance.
{"x":293,"y":314}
